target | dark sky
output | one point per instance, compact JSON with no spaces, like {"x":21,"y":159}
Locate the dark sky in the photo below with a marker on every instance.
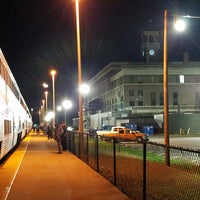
{"x":38,"y":35}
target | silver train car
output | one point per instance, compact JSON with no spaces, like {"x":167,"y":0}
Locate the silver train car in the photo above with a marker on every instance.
{"x":15,"y":117}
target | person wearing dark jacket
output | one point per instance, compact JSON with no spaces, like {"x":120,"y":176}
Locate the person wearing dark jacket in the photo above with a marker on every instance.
{"x":64,"y":137}
{"x":58,"y":134}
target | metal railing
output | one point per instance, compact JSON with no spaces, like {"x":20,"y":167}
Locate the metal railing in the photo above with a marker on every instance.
{"x":138,"y":169}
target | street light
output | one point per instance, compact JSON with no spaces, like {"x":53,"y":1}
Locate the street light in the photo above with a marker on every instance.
{"x":59,"y":108}
{"x":179,"y":25}
{"x":49,"y":116}
{"x":67,"y":104}
{"x":53,"y":72}
{"x":79,"y":67}
{"x":45,"y":85}
{"x":84,"y":89}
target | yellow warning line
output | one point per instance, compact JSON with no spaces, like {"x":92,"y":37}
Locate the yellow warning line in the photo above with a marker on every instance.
{"x":10,"y":168}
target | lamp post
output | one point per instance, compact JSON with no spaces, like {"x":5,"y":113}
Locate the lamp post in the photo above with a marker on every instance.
{"x":39,"y":113}
{"x":84,"y":90}
{"x":43,"y":111}
{"x":79,"y":67}
{"x":45,"y":85}
{"x":53,"y":72}
{"x":165,"y":91}
{"x":46,"y":99}
{"x":180,"y":27}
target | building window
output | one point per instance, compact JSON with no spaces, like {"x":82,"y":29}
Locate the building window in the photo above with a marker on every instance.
{"x":151,"y":39}
{"x":175,"y":98}
{"x":197,"y":99}
{"x":152,"y":79}
{"x":197,"y":79}
{"x":131,"y":79}
{"x":131,"y":103}
{"x":131,"y":93}
{"x":140,"y":103}
{"x":160,"y":79}
{"x":139,"y":79}
{"x":173,"y":79}
{"x":161,"y":99}
{"x":140,"y":93}
{"x":181,"y":78}
{"x":153,"y":98}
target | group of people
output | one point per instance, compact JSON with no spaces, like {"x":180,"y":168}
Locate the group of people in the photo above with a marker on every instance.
{"x":59,"y":133}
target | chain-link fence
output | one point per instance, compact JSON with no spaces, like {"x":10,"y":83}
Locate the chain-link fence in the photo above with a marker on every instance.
{"x":139,"y":169}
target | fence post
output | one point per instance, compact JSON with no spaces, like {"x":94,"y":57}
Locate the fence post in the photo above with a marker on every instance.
{"x":87,"y":150}
{"x":144,"y":170}
{"x":114,"y":160}
{"x":97,"y":152}
{"x":79,"y":145}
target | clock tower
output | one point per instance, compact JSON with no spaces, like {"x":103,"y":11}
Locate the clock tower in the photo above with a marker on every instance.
{"x":150,"y":46}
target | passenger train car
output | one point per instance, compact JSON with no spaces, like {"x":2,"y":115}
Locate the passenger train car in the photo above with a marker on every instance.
{"x":15,"y":117}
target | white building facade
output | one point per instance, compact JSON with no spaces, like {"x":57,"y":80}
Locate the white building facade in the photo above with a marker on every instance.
{"x":132,"y":93}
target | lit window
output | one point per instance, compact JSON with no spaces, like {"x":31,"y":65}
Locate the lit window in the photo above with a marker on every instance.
{"x":181,"y":78}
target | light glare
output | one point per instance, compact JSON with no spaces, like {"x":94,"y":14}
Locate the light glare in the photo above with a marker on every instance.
{"x":84,"y":89}
{"x":179,"y":25}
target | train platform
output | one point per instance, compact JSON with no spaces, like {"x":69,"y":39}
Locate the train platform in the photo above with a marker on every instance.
{"x":36,"y":171}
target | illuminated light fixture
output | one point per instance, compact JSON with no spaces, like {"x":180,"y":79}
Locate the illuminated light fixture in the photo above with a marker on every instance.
{"x":180,"y":25}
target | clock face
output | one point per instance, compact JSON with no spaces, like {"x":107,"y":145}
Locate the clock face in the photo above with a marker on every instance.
{"x":151,"y":52}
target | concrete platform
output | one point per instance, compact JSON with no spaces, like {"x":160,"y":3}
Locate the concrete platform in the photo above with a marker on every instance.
{"x":36,"y":172}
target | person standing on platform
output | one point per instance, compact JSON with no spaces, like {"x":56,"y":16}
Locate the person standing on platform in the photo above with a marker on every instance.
{"x":64,"y":137}
{"x":49,"y":131}
{"x":58,"y":134}
{"x":38,"y":130}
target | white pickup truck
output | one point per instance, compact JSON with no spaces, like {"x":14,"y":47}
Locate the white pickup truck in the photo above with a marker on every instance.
{"x":114,"y":129}
{"x":123,"y":134}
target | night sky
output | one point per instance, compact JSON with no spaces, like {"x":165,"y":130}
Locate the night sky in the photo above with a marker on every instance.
{"x":39,"y":35}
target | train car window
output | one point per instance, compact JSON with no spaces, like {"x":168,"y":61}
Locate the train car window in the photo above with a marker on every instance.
{"x":7,"y":127}
{"x":9,"y":82}
{"x":16,"y":93}
{"x":6,"y":77}
{"x":20,"y":123}
{"x":3,"y":71}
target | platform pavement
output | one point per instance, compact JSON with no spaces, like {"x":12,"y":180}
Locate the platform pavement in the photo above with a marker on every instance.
{"x":36,"y":172}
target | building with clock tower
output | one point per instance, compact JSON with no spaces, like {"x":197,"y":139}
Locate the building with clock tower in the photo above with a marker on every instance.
{"x":150,"y":45}
{"x":131,"y":93}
